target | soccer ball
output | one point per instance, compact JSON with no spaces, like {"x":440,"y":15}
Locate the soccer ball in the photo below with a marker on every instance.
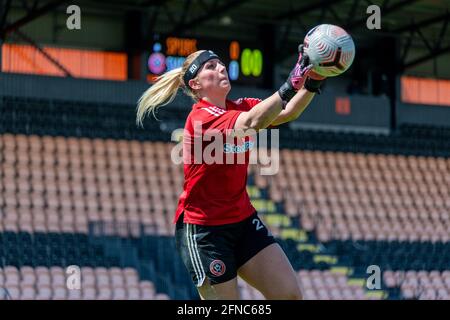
{"x":330,"y":49}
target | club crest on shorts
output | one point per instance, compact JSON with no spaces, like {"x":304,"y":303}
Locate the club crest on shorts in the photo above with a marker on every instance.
{"x":217,"y":267}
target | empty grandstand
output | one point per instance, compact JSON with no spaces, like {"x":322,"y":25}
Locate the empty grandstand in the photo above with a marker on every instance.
{"x":364,"y":179}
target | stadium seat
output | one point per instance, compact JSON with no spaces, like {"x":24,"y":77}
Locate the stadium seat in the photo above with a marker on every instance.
{"x":368,"y":206}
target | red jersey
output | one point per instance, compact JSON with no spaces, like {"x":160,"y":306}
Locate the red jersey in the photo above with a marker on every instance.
{"x":215,"y":193}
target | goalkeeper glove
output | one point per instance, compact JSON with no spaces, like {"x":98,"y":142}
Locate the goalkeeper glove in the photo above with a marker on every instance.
{"x":301,"y":75}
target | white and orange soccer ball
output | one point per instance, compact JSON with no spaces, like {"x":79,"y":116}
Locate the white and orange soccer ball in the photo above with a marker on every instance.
{"x":330,"y":49}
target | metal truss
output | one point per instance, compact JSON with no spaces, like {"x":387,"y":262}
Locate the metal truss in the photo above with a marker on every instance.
{"x":33,"y":10}
{"x":5,"y":5}
{"x":186,"y":19}
{"x":386,"y":9}
{"x":293,"y":16}
{"x":30,"y":41}
{"x":327,"y":9}
{"x":434,"y":48}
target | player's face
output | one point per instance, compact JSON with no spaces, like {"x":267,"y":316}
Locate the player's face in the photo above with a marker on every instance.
{"x":214,"y":77}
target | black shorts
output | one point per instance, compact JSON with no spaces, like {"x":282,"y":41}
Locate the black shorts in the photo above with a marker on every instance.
{"x":217,"y":252}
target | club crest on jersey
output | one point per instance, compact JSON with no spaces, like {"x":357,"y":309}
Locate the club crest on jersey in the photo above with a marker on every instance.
{"x":217,"y":268}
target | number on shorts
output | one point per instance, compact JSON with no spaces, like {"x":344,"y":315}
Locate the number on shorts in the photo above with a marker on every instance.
{"x":258,"y":223}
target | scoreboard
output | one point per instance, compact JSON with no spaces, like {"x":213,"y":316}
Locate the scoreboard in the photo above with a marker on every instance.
{"x":244,"y":61}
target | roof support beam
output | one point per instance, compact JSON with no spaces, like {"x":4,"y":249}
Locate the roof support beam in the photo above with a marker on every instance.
{"x":305,"y":9}
{"x":55,"y":62}
{"x":424,"y":23}
{"x":433,"y":54}
{"x":435,"y":48}
{"x":393,"y":8}
{"x":33,"y":14}
{"x":5,"y":5}
{"x":216,"y":10}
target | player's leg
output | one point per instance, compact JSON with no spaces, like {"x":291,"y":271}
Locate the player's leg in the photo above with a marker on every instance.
{"x":223,"y":291}
{"x":271,"y":273}
{"x":263,"y":264}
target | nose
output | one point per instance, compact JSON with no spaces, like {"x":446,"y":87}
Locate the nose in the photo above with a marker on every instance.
{"x":221,"y":67}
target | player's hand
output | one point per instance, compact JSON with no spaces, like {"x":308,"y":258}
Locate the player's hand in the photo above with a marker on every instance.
{"x":297,"y":77}
{"x":301,"y":71}
{"x":303,"y":62}
{"x":313,"y":82}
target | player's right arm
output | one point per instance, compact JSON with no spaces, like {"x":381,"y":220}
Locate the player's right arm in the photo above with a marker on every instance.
{"x":261,"y":115}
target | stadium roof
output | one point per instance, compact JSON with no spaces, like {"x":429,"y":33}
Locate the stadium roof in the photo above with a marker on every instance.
{"x":421,"y":25}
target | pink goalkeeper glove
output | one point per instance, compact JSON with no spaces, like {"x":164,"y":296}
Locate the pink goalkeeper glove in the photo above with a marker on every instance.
{"x":301,"y":75}
{"x":302,"y":69}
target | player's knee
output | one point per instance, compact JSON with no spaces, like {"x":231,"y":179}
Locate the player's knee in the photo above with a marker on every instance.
{"x":285,"y":293}
{"x":207,"y":291}
{"x":295,"y":294}
{"x":224,"y":291}
{"x":291,"y":292}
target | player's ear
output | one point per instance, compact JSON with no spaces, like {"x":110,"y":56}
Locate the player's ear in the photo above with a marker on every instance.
{"x":194,"y":84}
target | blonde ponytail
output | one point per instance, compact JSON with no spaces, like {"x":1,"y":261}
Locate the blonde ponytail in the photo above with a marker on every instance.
{"x":159,"y":94}
{"x":164,"y":90}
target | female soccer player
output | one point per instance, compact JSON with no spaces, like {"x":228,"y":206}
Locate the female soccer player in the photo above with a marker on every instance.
{"x":218,"y":233}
